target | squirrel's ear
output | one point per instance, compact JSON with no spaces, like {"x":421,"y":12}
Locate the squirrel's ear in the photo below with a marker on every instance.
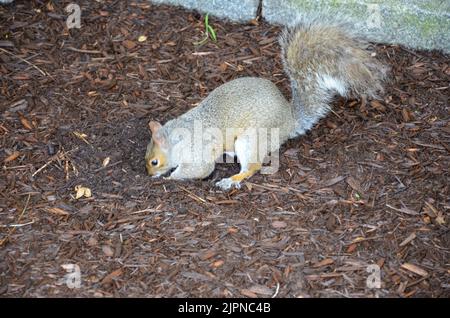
{"x":157,"y":136}
{"x":154,"y":126}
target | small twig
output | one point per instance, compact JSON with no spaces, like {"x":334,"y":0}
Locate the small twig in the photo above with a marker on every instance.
{"x":23,"y":60}
{"x":337,"y":115}
{"x":13,"y":229}
{"x":356,"y":241}
{"x":53,"y":158}
{"x":403,"y":210}
{"x":193,"y":195}
{"x":202,"y":53}
{"x":411,"y":237}
{"x":126,"y":220}
{"x":83,"y":51}
{"x":27,"y":166}
{"x":412,"y":52}
{"x":18,"y":225}
{"x":268,"y":186}
{"x":108,"y":166}
{"x":136,"y":265}
{"x":276,"y":291}
{"x":102,"y":59}
{"x":417,"y":282}
{"x":146,"y":210}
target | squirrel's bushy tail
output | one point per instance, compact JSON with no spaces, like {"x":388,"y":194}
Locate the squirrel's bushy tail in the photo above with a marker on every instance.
{"x":322,"y":58}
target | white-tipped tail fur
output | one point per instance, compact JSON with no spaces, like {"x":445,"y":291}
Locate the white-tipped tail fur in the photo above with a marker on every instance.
{"x":323,"y":56}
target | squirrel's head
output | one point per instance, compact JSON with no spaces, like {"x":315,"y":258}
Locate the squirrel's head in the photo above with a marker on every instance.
{"x":157,"y":154}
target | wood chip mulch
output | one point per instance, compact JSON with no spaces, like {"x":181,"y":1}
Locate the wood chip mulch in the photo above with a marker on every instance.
{"x":368,"y":185}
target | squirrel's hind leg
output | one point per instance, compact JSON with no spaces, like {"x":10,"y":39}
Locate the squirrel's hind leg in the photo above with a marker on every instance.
{"x":247,"y":155}
{"x":235,"y":180}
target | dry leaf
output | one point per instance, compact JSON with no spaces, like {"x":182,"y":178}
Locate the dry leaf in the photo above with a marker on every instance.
{"x":26,"y":123}
{"x":254,"y":22}
{"x":81,"y":136}
{"x":12,"y":157}
{"x":331,"y":124}
{"x":82,"y":191}
{"x":223,"y":67}
{"x":359,"y":239}
{"x":440,"y":220}
{"x":57,"y":211}
{"x":279,"y":224}
{"x":129,"y":44}
{"x":217,"y":263}
{"x":406,"y":115}
{"x":87,"y":192}
{"x":109,"y":278}
{"x":50,"y":6}
{"x":433,"y":212}
{"x":106,"y":161}
{"x":377,"y":105}
{"x":92,"y":241}
{"x":107,"y":250}
{"x":207,"y":254}
{"x":232,"y":230}
{"x":325,"y":262}
{"x":352,"y":248}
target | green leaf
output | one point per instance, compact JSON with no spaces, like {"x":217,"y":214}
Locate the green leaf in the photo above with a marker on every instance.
{"x":207,"y":20}
{"x":212,"y":33}
{"x":203,"y":41}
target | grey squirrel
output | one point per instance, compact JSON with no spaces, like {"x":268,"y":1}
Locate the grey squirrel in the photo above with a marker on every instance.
{"x":321,"y":57}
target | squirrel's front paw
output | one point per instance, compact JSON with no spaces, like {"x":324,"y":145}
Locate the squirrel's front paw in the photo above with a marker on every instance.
{"x":227,"y":184}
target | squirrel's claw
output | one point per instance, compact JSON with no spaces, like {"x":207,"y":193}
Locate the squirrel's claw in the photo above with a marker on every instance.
{"x":227,"y":183}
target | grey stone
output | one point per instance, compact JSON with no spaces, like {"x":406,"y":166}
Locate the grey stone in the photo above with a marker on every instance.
{"x":238,"y":10}
{"x":413,"y":23}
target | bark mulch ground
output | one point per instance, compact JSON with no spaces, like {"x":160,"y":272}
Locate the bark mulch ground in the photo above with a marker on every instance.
{"x":368,"y":185}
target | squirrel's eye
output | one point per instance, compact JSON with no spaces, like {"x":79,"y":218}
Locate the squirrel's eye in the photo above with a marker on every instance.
{"x":154,"y":162}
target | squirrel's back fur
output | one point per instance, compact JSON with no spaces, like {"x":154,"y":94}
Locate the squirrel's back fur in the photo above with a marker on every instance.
{"x":243,"y":103}
{"x":324,"y":56}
